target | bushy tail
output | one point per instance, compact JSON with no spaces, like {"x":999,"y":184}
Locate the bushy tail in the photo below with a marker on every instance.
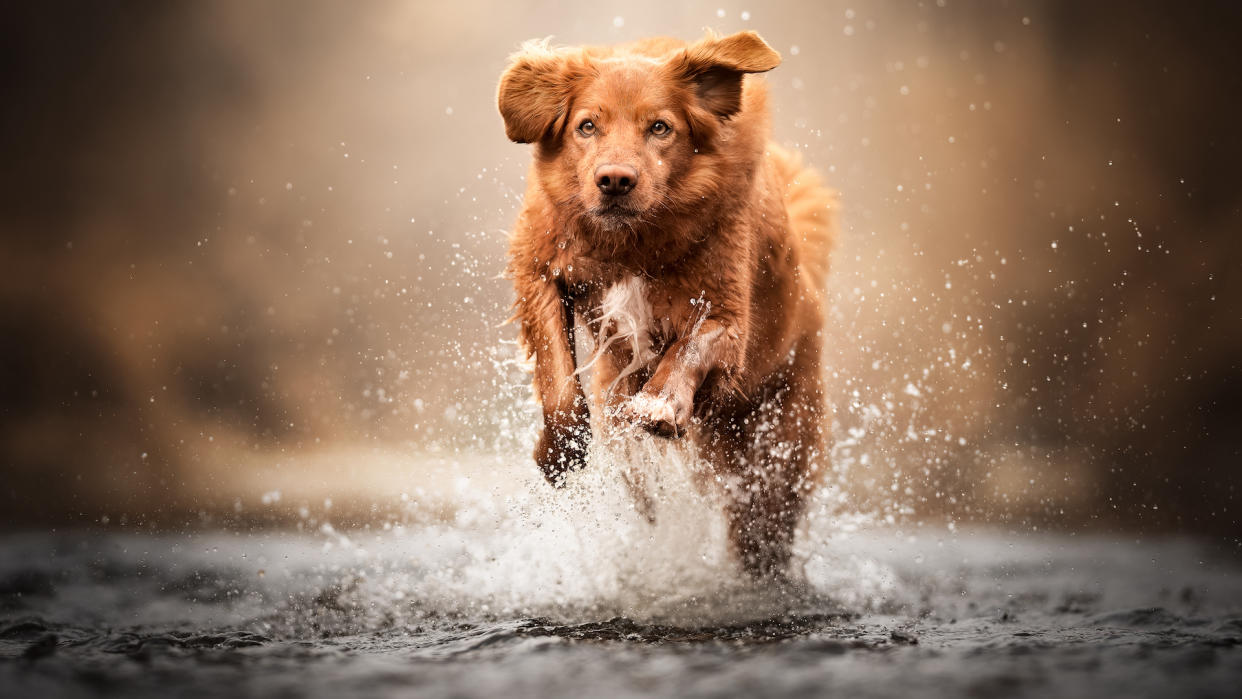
{"x":812,"y":208}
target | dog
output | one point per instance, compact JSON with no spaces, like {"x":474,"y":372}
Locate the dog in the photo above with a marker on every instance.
{"x":661,"y":222}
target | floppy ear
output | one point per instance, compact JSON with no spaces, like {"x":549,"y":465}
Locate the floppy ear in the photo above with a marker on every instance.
{"x":715,"y":65}
{"x":534,"y":91}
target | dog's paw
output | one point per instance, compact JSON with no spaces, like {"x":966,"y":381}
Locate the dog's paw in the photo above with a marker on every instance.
{"x":662,"y":415}
{"x":561,"y":449}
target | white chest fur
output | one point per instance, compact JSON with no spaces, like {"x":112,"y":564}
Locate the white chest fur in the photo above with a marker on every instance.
{"x":624,"y":315}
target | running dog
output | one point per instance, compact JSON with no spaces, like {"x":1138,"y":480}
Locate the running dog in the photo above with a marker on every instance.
{"x":660,"y":221}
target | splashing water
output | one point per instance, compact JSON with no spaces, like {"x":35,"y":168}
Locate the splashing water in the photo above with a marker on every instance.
{"x":594,"y":550}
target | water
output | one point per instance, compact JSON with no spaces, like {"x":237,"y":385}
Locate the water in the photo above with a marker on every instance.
{"x":519,"y":592}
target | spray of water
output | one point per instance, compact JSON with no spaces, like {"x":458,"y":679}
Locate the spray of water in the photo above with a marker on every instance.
{"x":598,"y":548}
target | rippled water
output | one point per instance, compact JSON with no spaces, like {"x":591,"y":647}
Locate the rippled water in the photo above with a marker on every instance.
{"x":573,"y":594}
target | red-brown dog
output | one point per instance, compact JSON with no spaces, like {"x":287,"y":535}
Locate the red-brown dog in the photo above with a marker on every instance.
{"x":661,"y":220}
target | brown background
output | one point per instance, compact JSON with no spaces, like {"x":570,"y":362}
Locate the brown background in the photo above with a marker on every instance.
{"x":255,"y":238}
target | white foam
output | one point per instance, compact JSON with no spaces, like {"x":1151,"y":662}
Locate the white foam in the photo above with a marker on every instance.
{"x":589,"y":551}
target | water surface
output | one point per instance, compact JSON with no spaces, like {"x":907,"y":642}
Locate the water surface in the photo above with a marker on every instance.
{"x":513,"y":597}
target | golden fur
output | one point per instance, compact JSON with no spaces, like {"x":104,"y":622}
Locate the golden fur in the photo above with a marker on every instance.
{"x":661,"y":221}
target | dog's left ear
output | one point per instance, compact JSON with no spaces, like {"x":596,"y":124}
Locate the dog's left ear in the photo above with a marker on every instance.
{"x":534,"y":91}
{"x":716,"y":65}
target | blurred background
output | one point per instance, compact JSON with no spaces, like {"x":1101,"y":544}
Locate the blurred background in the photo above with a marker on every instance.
{"x":250,"y":253}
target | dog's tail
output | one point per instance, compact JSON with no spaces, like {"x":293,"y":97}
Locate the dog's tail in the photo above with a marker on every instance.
{"x":812,"y":207}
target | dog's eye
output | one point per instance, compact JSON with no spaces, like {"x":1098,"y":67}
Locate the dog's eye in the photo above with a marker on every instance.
{"x":587,"y":128}
{"x":660,"y":128}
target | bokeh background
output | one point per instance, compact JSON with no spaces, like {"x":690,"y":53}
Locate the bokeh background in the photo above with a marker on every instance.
{"x":250,"y":252}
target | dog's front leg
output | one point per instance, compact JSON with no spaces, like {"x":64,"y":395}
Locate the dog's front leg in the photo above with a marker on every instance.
{"x":547,"y":317}
{"x":665,"y":404}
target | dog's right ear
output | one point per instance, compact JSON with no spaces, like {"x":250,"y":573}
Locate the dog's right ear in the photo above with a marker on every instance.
{"x":534,"y":91}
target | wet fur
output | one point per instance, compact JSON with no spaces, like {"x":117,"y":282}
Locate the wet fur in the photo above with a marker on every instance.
{"x":701,"y":291}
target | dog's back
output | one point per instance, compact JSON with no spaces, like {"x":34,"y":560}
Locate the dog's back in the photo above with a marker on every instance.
{"x":812,"y":210}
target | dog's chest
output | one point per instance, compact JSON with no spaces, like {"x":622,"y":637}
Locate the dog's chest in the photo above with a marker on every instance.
{"x":627,"y":320}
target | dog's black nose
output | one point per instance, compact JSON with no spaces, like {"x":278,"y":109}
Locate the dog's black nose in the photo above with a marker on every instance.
{"x":615,"y":179}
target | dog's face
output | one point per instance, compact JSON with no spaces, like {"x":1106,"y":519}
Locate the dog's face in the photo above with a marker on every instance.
{"x":619,"y":133}
{"x":626,"y":139}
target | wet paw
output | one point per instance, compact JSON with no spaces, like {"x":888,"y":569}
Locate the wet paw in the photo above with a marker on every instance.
{"x":661,"y":415}
{"x":561,"y":449}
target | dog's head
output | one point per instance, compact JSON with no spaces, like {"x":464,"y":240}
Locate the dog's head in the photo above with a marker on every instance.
{"x":620,"y":132}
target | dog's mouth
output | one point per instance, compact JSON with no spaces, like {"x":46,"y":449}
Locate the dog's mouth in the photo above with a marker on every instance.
{"x":615,"y":211}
